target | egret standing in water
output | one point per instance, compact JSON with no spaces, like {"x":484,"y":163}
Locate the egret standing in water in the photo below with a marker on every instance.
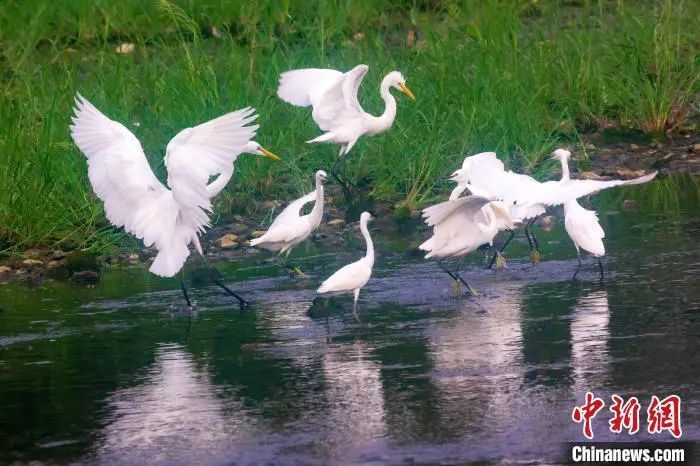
{"x":581,"y":225}
{"x":290,"y":228}
{"x":336,"y":110}
{"x":134,"y":198}
{"x":353,"y":276}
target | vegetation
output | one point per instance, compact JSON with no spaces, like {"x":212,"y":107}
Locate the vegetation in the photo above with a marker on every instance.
{"x":518,"y":77}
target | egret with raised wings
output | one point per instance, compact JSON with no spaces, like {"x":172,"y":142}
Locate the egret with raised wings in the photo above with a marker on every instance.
{"x":134,"y":198}
{"x":333,"y":97}
{"x":290,"y":228}
{"x":353,"y":276}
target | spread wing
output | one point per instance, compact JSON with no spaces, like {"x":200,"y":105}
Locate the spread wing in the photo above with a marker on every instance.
{"x":136,"y":200}
{"x":296,"y":86}
{"x":337,"y":104}
{"x":554,"y":192}
{"x":468,"y":206}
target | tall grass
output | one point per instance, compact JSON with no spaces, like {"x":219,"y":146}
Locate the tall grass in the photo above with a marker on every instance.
{"x":518,"y":77}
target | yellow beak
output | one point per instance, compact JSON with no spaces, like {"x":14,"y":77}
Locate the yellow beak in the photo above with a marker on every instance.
{"x":267,"y":153}
{"x":406,"y":91}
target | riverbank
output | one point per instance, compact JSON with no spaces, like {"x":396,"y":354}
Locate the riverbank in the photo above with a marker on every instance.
{"x":229,"y":236}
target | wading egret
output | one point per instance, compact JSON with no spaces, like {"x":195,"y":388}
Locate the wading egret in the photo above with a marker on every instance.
{"x":134,"y":198}
{"x":353,"y":276}
{"x":581,"y":224}
{"x":336,"y":110}
{"x":461,"y":225}
{"x":290,"y":228}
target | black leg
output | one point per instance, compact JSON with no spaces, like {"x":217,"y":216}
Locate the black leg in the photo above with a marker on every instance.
{"x":242,"y":302}
{"x":455,"y":276}
{"x":503,"y":248}
{"x":183,"y":287}
{"x":527,"y":235}
{"x":578,"y":267}
{"x":600,"y":266}
{"x":343,"y":180}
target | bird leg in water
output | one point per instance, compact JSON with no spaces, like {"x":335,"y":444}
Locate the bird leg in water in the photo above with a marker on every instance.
{"x":183,"y":287}
{"x":242,"y":302}
{"x":354,"y":306}
{"x":500,"y":253}
{"x":600,"y":266}
{"x":457,"y":279}
{"x":535,"y":255}
{"x":292,"y":269}
{"x":578,"y":267}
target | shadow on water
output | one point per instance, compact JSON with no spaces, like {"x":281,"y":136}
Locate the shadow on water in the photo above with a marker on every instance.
{"x":120,"y":374}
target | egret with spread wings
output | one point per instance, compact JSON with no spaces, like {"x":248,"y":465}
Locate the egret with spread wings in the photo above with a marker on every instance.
{"x":134,"y":198}
{"x":333,"y":97}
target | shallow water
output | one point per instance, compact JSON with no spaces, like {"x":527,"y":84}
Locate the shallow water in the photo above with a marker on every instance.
{"x":120,"y":374}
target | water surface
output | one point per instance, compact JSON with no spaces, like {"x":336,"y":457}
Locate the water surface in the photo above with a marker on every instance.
{"x":119,"y":374}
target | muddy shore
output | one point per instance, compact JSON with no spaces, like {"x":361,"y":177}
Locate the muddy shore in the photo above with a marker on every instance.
{"x":228,"y":238}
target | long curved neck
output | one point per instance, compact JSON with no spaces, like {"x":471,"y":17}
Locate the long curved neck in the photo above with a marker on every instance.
{"x":565,"y":169}
{"x":386,"y":119}
{"x":216,"y":186}
{"x":459,"y":189}
{"x":316,"y":214}
{"x":368,"y":240}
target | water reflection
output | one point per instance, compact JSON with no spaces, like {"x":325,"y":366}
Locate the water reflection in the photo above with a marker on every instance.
{"x":172,"y":416}
{"x":590,"y":357}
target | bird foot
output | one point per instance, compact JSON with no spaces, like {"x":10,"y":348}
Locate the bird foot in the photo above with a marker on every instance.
{"x":456,"y":288}
{"x":500,"y":260}
{"x":535,"y":257}
{"x":473,"y":292}
{"x":299,"y":273}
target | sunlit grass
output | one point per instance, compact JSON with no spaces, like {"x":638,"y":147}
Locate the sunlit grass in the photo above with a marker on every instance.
{"x":512,"y":76}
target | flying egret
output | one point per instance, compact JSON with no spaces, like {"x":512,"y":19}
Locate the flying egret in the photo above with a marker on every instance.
{"x":134,"y":198}
{"x":462,"y":224}
{"x":290,"y":228}
{"x":336,"y":110}
{"x":353,"y":277}
{"x":581,"y":224}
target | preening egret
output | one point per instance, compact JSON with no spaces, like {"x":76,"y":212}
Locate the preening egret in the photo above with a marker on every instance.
{"x":290,"y":228}
{"x":581,"y":225}
{"x":134,"y":198}
{"x":336,"y":110}
{"x":461,"y":225}
{"x":353,"y":276}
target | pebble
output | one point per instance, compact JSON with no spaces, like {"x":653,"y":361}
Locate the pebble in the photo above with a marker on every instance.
{"x":634,"y":147}
{"x":592,"y":176}
{"x":589,"y":147}
{"x":627,"y":173}
{"x":696,"y":147}
{"x":5,"y":269}
{"x":228,"y":241}
{"x":58,"y":254}
{"x":32,"y":262}
{"x":336,"y":221}
{"x":125,"y":47}
{"x":258,"y":233}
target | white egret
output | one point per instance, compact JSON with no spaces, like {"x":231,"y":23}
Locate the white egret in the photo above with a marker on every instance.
{"x":353,"y":277}
{"x":581,"y":225}
{"x":336,"y":110}
{"x":290,"y":228}
{"x":134,"y":198}
{"x":461,"y":225}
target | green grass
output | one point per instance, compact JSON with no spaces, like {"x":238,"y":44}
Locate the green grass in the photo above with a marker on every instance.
{"x":518,"y":77}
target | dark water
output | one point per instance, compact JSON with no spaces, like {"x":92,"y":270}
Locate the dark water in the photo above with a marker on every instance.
{"x":115,"y":374}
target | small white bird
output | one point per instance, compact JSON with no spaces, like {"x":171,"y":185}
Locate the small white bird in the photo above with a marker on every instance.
{"x":290,"y":228}
{"x":461,"y":225}
{"x":582,"y":225}
{"x":353,"y":276}
{"x":336,"y":110}
{"x":134,"y":198}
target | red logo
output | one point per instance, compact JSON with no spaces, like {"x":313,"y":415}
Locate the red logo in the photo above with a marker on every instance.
{"x":665,"y":415}
{"x":587,"y":412}
{"x":625,"y":415}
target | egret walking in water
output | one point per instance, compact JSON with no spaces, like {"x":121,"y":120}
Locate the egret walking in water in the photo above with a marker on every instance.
{"x":336,"y":110}
{"x":461,"y":225}
{"x":290,"y":228}
{"x":134,"y":198}
{"x":581,"y":225}
{"x":353,"y":276}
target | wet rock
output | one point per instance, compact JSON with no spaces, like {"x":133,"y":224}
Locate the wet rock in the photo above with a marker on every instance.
{"x":629,"y":204}
{"x":228,"y":241}
{"x":5,"y":269}
{"x":57,"y":270}
{"x":627,"y":173}
{"x":32,"y":263}
{"x":592,"y":176}
{"x":258,"y":233}
{"x":86,"y":277}
{"x":58,"y":254}
{"x":339,"y":222}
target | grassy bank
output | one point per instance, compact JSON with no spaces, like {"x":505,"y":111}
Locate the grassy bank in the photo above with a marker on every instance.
{"x":512,"y":76}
